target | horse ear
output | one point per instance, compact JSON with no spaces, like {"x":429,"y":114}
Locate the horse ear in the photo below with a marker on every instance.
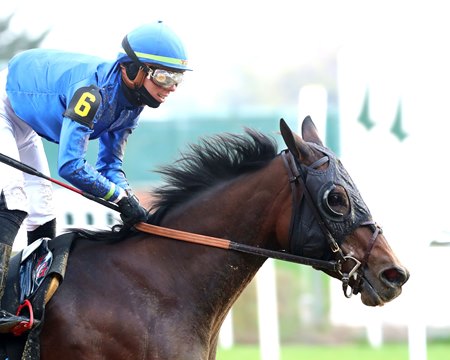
{"x":296,"y":145}
{"x":309,"y":131}
{"x":289,"y":138}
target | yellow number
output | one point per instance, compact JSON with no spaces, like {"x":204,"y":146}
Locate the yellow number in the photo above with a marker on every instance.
{"x":83,"y":106}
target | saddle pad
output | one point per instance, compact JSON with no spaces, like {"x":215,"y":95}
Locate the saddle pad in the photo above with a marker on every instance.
{"x":27,"y":346}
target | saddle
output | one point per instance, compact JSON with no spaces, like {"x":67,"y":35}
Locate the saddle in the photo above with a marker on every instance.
{"x":33,"y":277}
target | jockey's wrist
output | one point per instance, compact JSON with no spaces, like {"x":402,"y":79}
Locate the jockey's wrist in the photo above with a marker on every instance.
{"x":122,"y":194}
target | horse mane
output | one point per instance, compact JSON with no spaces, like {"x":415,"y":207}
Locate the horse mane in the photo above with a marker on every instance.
{"x":214,"y":159}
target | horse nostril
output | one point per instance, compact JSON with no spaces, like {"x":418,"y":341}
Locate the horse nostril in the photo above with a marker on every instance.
{"x":395,"y":276}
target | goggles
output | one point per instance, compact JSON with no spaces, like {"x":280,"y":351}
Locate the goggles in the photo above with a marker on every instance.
{"x":164,"y":78}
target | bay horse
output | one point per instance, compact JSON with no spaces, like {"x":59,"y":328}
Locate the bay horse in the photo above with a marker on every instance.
{"x":133,"y":295}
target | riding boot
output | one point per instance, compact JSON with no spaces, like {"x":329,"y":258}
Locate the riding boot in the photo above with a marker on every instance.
{"x":46,"y":230}
{"x":10,"y":221}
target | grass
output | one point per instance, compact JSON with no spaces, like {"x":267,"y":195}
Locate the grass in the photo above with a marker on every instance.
{"x":397,"y":351}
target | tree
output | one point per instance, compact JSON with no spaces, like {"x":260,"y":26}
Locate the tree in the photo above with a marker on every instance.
{"x":11,"y":44}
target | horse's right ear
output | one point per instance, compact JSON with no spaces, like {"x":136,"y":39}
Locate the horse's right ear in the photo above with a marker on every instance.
{"x":296,"y":145}
{"x":288,"y":138}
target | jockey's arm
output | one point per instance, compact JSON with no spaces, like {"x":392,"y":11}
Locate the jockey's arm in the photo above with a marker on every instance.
{"x":73,"y":167}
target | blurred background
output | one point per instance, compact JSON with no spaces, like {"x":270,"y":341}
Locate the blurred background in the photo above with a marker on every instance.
{"x":374,"y":76}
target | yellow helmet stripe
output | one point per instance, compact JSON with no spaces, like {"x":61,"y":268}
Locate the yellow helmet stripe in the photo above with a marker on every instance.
{"x":166,"y":59}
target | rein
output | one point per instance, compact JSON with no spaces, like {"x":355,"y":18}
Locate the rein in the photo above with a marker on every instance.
{"x":231,"y":245}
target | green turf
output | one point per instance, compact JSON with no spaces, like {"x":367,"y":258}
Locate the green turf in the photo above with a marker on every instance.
{"x":435,"y":351}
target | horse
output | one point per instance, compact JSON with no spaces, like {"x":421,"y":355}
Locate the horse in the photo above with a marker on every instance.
{"x":131,"y":294}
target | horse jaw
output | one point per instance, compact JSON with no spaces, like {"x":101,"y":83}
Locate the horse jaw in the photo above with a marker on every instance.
{"x":384,"y":275}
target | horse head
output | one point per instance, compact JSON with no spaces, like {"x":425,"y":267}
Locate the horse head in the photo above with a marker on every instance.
{"x":335,"y":223}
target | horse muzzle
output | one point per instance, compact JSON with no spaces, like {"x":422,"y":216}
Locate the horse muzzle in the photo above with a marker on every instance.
{"x":383,"y":288}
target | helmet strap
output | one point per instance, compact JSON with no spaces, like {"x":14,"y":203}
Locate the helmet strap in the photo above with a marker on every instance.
{"x":147,"y":99}
{"x":136,"y":95}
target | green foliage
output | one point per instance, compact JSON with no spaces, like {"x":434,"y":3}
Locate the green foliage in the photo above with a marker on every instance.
{"x":11,"y":43}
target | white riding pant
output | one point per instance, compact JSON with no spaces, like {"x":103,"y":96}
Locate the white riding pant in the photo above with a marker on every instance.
{"x":19,"y":141}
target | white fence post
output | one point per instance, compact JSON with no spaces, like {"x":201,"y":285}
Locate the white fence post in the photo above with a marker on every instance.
{"x":269,"y":342}
{"x":226,"y":335}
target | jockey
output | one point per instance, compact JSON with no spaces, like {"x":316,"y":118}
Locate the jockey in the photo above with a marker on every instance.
{"x":70,"y":99}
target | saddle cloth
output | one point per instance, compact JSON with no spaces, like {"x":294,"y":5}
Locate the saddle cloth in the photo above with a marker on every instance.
{"x":31,"y":274}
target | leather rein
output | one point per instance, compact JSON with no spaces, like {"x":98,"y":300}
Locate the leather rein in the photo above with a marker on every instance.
{"x":296,"y":179}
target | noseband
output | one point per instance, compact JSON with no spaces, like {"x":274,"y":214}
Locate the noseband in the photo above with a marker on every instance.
{"x":297,"y":180}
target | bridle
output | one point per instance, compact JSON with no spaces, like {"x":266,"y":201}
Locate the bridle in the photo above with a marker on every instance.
{"x":297,"y":180}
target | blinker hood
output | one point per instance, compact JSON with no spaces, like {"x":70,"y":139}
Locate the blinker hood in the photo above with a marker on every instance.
{"x":336,"y":174}
{"x":318,"y":182}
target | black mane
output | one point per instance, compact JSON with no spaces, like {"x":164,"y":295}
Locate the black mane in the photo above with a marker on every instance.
{"x":215,"y":159}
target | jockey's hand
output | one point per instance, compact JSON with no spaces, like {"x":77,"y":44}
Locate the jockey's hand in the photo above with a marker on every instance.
{"x":131,"y":212}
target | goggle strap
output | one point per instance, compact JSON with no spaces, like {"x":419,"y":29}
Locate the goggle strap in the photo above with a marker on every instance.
{"x":130,"y":52}
{"x":138,"y":80}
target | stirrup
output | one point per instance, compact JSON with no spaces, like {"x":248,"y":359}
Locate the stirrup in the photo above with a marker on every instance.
{"x":16,"y":324}
{"x":9,"y":321}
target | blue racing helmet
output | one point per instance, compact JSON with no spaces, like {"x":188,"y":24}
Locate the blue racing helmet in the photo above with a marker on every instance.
{"x":154,"y":43}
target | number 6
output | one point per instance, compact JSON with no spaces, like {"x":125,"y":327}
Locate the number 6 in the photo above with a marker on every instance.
{"x":83,"y":105}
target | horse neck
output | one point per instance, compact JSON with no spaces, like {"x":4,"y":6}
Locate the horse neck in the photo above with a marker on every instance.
{"x":245,"y":210}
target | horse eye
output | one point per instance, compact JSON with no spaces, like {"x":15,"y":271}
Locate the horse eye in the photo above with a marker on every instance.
{"x":336,"y":201}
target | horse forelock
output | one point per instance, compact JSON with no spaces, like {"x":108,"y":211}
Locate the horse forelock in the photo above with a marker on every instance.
{"x":213,"y":160}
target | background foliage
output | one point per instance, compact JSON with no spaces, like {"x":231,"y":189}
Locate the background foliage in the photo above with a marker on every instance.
{"x":12,"y":43}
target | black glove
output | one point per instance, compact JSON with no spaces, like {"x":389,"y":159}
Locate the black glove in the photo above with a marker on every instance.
{"x":131,"y":212}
